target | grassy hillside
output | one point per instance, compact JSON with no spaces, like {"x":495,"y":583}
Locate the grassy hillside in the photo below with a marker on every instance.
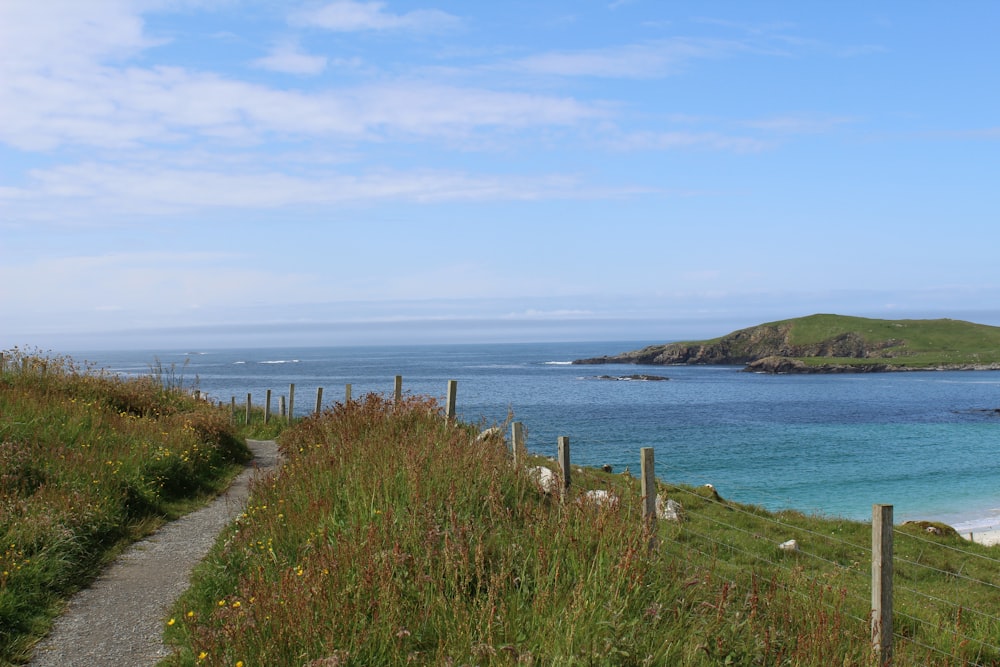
{"x":88,"y":463}
{"x":837,"y":342}
{"x":392,"y":537}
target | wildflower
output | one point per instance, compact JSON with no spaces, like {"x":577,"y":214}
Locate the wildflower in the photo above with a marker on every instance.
{"x":222,"y":603}
{"x":202,"y":655}
{"x":236,"y":604}
{"x":239,"y":663}
{"x":190,"y":614}
{"x":171,"y":621}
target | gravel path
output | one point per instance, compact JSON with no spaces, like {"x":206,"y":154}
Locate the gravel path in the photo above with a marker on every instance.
{"x":118,"y":621}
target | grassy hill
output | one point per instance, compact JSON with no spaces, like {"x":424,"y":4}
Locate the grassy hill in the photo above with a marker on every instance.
{"x":835,"y":343}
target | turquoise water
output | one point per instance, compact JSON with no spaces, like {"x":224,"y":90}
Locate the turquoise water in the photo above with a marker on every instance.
{"x":833,"y":444}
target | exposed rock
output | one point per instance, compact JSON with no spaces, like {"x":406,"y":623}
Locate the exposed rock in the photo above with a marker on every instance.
{"x":668,"y":509}
{"x":492,"y":433}
{"x":790,"y":545}
{"x":600,"y":497}
{"x":545,"y":478}
{"x":933,"y":528}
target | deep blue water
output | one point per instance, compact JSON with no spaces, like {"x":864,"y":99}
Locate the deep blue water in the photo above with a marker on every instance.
{"x":925,"y":442}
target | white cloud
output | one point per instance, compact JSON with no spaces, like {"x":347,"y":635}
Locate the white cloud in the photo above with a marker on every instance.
{"x":675,"y":140}
{"x":799,"y":124}
{"x":89,"y":192}
{"x":290,"y":59}
{"x":634,"y":61}
{"x":352,"y":16}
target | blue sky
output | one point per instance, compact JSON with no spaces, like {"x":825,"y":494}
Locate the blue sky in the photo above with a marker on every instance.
{"x":217,"y":173}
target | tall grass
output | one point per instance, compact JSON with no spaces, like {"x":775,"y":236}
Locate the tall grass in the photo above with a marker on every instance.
{"x":88,"y":462}
{"x":391,"y":537}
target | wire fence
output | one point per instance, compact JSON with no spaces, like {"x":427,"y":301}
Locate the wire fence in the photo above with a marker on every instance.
{"x":943,"y":593}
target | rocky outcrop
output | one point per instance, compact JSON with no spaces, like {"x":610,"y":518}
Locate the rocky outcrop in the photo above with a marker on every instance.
{"x":768,"y":348}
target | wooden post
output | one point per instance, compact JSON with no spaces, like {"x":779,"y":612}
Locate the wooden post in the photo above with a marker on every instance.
{"x":648,"y":485}
{"x":267,"y":406}
{"x":232,"y":405}
{"x":882,"y":582}
{"x":319,"y":399}
{"x":248,"y":409}
{"x":347,"y":393}
{"x":291,"y":402}
{"x":517,"y":442}
{"x":449,"y":411}
{"x":3,"y":363}
{"x":282,"y":410}
{"x":398,"y":390}
{"x":564,"y":464}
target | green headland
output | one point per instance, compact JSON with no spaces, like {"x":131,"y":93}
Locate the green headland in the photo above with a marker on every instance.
{"x":834,"y":344}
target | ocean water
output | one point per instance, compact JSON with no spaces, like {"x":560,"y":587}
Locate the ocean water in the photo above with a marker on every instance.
{"x":925,"y":442}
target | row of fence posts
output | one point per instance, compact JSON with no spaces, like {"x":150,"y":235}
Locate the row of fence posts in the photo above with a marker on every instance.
{"x":882,"y":519}
{"x":289,"y":412}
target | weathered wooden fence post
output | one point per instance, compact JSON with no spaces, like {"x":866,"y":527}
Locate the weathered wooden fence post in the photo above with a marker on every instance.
{"x":564,"y":464}
{"x":450,"y":399}
{"x":319,"y":399}
{"x":232,"y":406}
{"x":291,"y":402}
{"x":648,"y":484}
{"x":397,"y":393}
{"x":248,"y":409}
{"x":882,"y":582}
{"x":517,"y":442}
{"x":3,"y":363}
{"x":267,"y":406}
{"x":347,"y":393}
{"x":282,"y":410}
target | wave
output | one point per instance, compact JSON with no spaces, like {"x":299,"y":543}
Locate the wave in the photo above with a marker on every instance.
{"x":280,"y":361}
{"x":558,"y":363}
{"x":237,"y":363}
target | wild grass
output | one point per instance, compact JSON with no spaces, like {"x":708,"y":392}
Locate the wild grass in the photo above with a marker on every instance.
{"x":88,"y":462}
{"x":392,"y":537}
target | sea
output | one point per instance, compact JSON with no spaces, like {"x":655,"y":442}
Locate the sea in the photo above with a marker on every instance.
{"x":926,"y":442}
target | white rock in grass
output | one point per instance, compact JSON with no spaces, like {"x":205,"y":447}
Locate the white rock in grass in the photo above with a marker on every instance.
{"x":490,"y":433}
{"x":545,"y":478}
{"x":600,"y":497}
{"x":669,"y":509}
{"x":790,"y":545}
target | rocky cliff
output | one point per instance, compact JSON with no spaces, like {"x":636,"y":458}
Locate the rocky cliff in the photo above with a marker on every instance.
{"x":771,"y":342}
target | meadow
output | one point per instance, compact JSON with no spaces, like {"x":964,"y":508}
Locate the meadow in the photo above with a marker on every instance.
{"x":90,"y":462}
{"x":393,"y":536}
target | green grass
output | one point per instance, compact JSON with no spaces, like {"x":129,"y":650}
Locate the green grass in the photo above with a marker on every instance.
{"x":88,"y":463}
{"x":391,"y":537}
{"x":921,"y":343}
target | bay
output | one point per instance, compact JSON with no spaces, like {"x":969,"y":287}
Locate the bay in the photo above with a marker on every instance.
{"x":924,"y":442}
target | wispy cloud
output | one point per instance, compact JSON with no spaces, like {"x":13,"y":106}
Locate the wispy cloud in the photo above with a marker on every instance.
{"x":633,"y":61}
{"x":102,"y":193}
{"x":352,"y":16}
{"x":800,"y":124}
{"x":288,"y":57}
{"x":677,"y":140}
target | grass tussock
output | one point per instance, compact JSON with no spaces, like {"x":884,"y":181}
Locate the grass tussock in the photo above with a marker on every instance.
{"x":88,"y":462}
{"x":391,"y":538}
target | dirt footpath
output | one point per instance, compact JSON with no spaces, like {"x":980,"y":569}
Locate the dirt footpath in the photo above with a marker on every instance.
{"x":118,"y":621}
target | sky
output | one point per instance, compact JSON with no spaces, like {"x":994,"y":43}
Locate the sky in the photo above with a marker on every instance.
{"x":217,"y":173}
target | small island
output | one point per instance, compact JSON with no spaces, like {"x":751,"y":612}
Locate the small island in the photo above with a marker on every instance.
{"x":825,"y":343}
